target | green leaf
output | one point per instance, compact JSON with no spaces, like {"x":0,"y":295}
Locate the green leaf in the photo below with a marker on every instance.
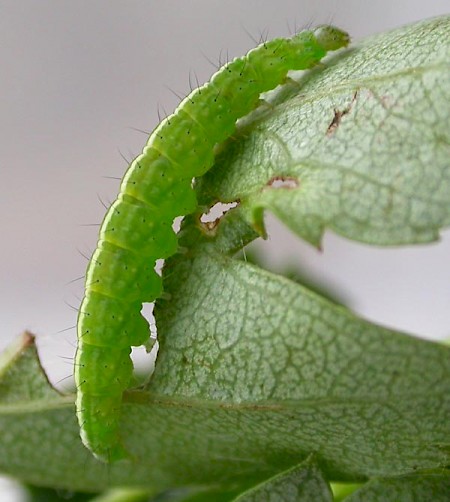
{"x":369,"y":400}
{"x":39,"y":494}
{"x":300,"y":483}
{"x":124,"y":495}
{"x":342,"y":490}
{"x":363,"y":145}
{"x":255,"y":372}
{"x":22,"y":378}
{"x":248,"y":387}
{"x":420,"y":487}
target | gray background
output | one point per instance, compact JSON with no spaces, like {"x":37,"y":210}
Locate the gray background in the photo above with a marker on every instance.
{"x":77,"y":76}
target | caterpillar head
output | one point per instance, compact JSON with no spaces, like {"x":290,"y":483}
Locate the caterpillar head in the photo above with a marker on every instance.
{"x":331,"y":38}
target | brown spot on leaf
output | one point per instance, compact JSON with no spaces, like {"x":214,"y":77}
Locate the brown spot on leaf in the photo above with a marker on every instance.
{"x":338,"y":114}
{"x":286,"y":182}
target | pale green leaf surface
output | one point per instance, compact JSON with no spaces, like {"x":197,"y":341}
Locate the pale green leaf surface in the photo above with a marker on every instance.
{"x":355,"y":392}
{"x":255,"y":372}
{"x":421,"y":487}
{"x":123,"y":495}
{"x":236,"y":333}
{"x":302,"y":483}
{"x":364,"y":143}
{"x":342,"y":490}
{"x":211,"y":438}
{"x":22,"y":378}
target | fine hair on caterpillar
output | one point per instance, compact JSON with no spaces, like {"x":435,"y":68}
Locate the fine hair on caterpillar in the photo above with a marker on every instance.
{"x":137,"y":228}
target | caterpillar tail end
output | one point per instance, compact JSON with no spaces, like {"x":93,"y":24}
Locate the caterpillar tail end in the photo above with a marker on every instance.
{"x":107,"y":453}
{"x":115,"y":453}
{"x":100,"y":428}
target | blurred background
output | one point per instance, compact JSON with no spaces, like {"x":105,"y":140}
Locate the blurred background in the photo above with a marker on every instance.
{"x":77,"y":78}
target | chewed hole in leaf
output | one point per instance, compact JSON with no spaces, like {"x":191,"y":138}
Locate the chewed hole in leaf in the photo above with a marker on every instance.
{"x":286,"y":182}
{"x":212,"y":218}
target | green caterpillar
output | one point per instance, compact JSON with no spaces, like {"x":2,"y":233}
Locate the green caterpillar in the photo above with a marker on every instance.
{"x":137,"y":228}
